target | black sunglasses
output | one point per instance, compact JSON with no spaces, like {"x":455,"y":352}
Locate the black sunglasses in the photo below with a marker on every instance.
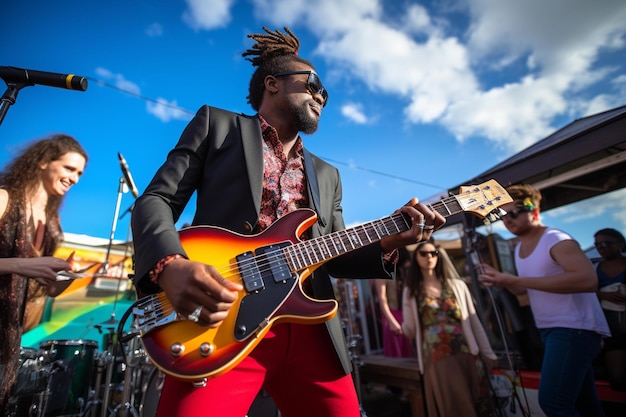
{"x":602,"y":245}
{"x":514,"y":213}
{"x":313,"y":83}
{"x":425,"y":253}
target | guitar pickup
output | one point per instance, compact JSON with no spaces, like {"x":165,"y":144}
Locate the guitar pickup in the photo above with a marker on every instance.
{"x":277,"y":264}
{"x":249,"y":271}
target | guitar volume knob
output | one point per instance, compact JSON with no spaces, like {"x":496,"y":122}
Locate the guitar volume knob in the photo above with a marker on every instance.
{"x":177,"y":349}
{"x":206,"y":349}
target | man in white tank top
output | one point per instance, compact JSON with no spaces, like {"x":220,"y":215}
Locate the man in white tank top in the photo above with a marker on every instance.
{"x":560,"y":282}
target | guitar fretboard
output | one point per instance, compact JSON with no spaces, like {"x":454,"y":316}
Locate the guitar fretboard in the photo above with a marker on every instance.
{"x":323,"y":248}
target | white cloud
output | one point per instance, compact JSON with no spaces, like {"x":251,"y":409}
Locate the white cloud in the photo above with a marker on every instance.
{"x":204,"y":15}
{"x":417,"y":21}
{"x":501,"y":69}
{"x":596,"y":207}
{"x":600,"y":103}
{"x":545,"y":56}
{"x":118,"y":80}
{"x":504,"y":114}
{"x":154,"y":30}
{"x":162,"y":109}
{"x":167,"y":110}
{"x":355,"y":224}
{"x":325,"y":18}
{"x":354,"y":112}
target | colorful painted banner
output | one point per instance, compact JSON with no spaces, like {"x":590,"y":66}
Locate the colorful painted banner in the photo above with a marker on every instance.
{"x":92,"y":307}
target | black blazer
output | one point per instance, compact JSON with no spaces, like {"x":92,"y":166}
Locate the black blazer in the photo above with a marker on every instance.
{"x":219,"y":155}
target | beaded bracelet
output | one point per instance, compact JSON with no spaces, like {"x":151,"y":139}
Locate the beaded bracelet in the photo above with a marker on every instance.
{"x":160,"y":266}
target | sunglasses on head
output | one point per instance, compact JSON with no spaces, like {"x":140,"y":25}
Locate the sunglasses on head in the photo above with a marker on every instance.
{"x":603,"y":245}
{"x":425,"y":253}
{"x":512,"y":214}
{"x":313,"y":83}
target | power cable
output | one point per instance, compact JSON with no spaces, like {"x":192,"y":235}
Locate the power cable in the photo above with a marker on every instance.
{"x":384,"y":174}
{"x":140,"y":96}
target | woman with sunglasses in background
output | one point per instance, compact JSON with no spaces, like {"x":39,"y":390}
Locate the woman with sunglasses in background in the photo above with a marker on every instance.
{"x":611,"y":271}
{"x":560,"y":282}
{"x":453,"y":350}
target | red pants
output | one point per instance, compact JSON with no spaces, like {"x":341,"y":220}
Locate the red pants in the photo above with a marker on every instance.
{"x":295,"y":364}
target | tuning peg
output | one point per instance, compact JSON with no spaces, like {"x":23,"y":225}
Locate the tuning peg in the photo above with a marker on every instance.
{"x":494,"y":216}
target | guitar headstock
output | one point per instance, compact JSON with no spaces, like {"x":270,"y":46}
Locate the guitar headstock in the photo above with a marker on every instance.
{"x":484,"y":199}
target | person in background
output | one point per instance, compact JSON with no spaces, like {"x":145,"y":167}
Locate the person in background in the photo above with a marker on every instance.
{"x":611,"y":271}
{"x":561,"y":285}
{"x":389,"y":293}
{"x":32,"y":188}
{"x":250,"y":173}
{"x":453,"y":351}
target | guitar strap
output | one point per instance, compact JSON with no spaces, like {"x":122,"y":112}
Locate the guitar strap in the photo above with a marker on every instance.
{"x":314,"y":189}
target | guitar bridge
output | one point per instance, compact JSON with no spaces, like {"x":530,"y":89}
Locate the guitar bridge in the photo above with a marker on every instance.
{"x":149,"y":313}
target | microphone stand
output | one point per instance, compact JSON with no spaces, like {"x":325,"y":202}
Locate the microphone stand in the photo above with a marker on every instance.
{"x":9,"y":97}
{"x":110,"y":323}
{"x":120,"y":191}
{"x":105,"y":267}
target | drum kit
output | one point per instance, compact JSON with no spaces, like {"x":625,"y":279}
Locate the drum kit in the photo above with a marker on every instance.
{"x":71,"y":378}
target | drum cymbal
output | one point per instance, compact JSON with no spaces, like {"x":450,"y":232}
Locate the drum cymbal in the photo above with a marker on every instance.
{"x":111,"y":323}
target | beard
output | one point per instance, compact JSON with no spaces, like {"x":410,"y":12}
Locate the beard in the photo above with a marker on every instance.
{"x":307,"y":123}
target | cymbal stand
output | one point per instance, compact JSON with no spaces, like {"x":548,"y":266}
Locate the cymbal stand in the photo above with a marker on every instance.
{"x":105,"y":363}
{"x":131,"y":376}
{"x":99,"y":398}
{"x":354,"y":342}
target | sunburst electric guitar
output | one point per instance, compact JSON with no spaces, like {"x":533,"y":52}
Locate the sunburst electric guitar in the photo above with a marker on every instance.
{"x":271,"y":266}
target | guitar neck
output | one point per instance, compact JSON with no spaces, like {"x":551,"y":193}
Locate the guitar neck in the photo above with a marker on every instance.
{"x":321,"y":249}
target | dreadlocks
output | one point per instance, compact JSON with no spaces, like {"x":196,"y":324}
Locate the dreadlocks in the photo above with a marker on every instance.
{"x":273,"y":52}
{"x":271,"y":45}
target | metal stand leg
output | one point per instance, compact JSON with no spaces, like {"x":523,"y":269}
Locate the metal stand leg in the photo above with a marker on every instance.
{"x":354,"y":342}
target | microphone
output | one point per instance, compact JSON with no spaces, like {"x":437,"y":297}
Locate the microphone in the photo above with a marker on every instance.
{"x":127,"y":176}
{"x":52,"y":79}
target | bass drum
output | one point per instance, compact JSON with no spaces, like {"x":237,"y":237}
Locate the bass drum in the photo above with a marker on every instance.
{"x":29,"y":392}
{"x":151,"y":393}
{"x":70,"y":385}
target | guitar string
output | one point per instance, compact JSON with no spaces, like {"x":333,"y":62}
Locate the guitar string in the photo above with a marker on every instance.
{"x":165,"y":308}
{"x":266,"y":264}
{"x":322,"y":244}
{"x":325,"y":243}
{"x":317,"y":247}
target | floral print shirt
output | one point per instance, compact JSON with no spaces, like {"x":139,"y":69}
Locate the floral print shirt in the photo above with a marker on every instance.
{"x":284,"y":186}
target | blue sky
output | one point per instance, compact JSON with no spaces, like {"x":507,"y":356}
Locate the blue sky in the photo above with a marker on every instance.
{"x":423,"y":95}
